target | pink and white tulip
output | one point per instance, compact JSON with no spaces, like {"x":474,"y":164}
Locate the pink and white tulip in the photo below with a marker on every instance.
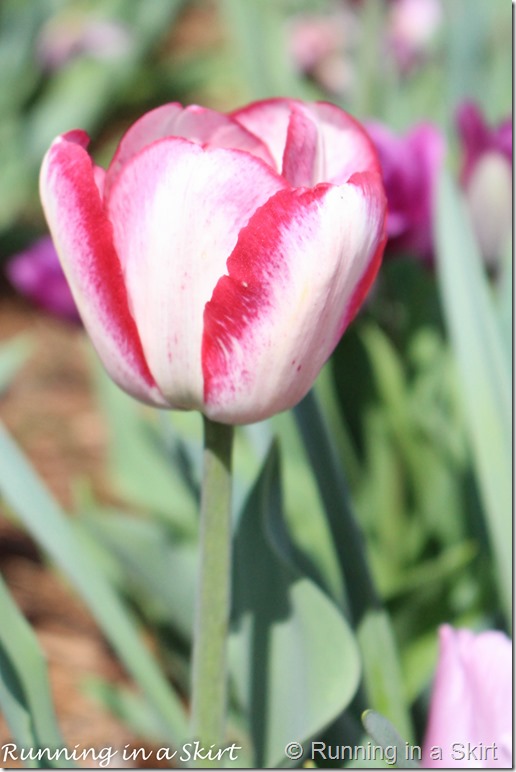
{"x":218,"y":260}
{"x":470,"y":721}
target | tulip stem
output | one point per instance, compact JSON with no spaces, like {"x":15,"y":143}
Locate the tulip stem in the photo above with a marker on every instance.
{"x":214,"y":592}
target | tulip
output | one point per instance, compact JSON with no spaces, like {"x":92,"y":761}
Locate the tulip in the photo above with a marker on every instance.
{"x":67,"y":36}
{"x":38,"y":276}
{"x":470,"y":721}
{"x":322,"y":47}
{"x":218,"y":260}
{"x":412,"y":27}
{"x":410,"y":167}
{"x":486,"y":177}
{"x":478,"y":138}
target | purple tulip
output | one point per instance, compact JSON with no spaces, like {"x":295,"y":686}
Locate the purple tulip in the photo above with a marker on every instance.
{"x":486,"y":177}
{"x":410,"y":166}
{"x":37,"y":275}
{"x":470,"y":721}
{"x":477,"y":138}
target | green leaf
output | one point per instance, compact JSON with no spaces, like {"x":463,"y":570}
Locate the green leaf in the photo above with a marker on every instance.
{"x":13,"y":355}
{"x":25,"y":696}
{"x":504,"y":298}
{"x":311,"y":551}
{"x":382,"y":674}
{"x":57,"y":109}
{"x":450,"y":561}
{"x":484,"y":369}
{"x":259,"y":34}
{"x":467,"y":30}
{"x":294,"y":661}
{"x":383,"y":733}
{"x":130,"y":708}
{"x":141,"y":468}
{"x":157,"y":568}
{"x":28,"y":498}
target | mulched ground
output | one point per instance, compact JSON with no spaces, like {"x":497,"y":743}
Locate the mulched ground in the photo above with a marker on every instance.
{"x":51,"y":411}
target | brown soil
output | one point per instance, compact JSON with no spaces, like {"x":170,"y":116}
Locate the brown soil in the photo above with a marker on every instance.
{"x":51,"y":412}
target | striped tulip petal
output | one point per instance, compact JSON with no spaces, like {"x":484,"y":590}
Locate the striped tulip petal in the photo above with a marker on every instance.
{"x":83,"y":237}
{"x":343,"y":148}
{"x":288,"y":297}
{"x":196,"y":123}
{"x":177,"y":210}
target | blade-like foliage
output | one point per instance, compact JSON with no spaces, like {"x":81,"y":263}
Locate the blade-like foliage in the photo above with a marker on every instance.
{"x":484,"y":369}
{"x":397,"y":750}
{"x":25,"y":697}
{"x":380,"y":662}
{"x":295,"y":662}
{"x":24,"y":493}
{"x":13,"y":355}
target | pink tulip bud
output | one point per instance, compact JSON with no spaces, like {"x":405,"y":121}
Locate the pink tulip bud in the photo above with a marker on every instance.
{"x":218,"y":260}
{"x":71,"y":34}
{"x":412,"y":26}
{"x":410,"y":167}
{"x":470,"y":721}
{"x":322,"y":47}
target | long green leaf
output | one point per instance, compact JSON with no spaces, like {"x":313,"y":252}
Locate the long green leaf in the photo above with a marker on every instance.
{"x":259,"y":34}
{"x":294,"y":661}
{"x":49,"y":526}
{"x":484,"y":369}
{"x":504,"y":298}
{"x":141,"y":469}
{"x":157,"y":569}
{"x":382,"y":675}
{"x":25,"y":696}
{"x":397,"y":751}
{"x":13,"y":354}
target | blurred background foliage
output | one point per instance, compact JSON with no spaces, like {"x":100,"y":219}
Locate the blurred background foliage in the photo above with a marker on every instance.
{"x":408,"y":421}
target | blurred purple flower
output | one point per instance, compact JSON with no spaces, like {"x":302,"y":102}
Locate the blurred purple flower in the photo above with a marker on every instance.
{"x":37,"y":275}
{"x":478,"y":138}
{"x":470,"y":722}
{"x":410,"y":167}
{"x":486,"y":177}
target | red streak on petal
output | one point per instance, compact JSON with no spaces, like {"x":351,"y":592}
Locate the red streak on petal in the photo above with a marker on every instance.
{"x":253,"y":267}
{"x":74,"y":172}
{"x":364,"y":179}
{"x":364,"y":285}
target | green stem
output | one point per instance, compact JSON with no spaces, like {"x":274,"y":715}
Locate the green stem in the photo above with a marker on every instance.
{"x":213,"y":599}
